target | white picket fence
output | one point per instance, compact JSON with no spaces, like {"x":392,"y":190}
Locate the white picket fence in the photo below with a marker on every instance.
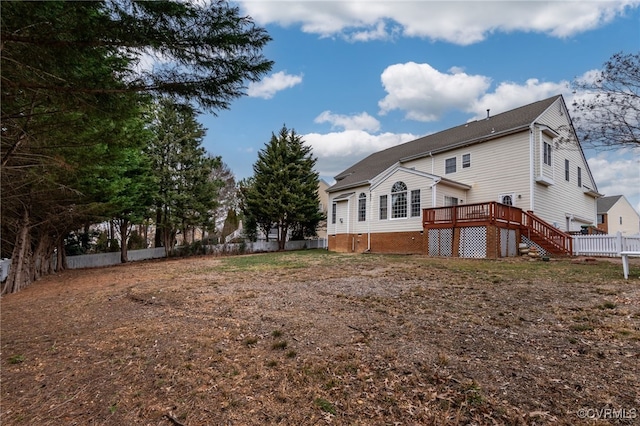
{"x":604,"y":245}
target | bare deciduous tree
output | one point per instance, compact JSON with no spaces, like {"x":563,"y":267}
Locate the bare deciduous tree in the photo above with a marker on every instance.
{"x":607,"y":105}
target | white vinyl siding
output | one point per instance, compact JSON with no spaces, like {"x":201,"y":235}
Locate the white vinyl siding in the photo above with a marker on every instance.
{"x":575,"y":203}
{"x":447,"y":196}
{"x":413,"y":182}
{"x":500,"y":166}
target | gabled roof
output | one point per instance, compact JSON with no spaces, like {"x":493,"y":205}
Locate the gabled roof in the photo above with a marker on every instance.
{"x":343,"y":196}
{"x":605,"y":203}
{"x":473,"y":132}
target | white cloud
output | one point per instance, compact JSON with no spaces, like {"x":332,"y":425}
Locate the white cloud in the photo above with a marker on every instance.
{"x":362,"y":121}
{"x":459,"y":22}
{"x":509,"y":95}
{"x":425,"y":93}
{"x":269,"y":86}
{"x":618,"y":173}
{"x":338,"y":150}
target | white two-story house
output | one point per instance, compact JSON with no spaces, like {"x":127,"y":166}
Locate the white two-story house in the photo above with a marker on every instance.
{"x":528,"y":158}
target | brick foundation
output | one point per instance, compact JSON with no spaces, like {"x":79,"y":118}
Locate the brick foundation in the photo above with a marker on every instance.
{"x":386,"y":242}
{"x":414,"y":242}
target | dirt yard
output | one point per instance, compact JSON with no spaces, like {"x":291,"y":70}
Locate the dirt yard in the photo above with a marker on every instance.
{"x":313,"y":338}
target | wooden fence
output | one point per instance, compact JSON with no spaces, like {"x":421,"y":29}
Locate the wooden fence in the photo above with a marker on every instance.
{"x":604,"y":245}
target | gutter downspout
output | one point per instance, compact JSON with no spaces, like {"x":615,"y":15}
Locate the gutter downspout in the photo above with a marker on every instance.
{"x":432,"y":165}
{"x":531,"y":167}
{"x":433,"y":192}
{"x":348,"y":213}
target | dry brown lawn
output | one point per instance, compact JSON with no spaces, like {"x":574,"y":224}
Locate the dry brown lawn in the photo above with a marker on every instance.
{"x":313,"y":338}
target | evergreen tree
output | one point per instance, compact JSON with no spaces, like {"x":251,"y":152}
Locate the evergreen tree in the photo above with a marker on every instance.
{"x":71,"y":78}
{"x":187,"y":194}
{"x":284,"y":188}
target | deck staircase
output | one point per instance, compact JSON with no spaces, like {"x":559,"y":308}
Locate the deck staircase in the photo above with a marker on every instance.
{"x":547,"y":237}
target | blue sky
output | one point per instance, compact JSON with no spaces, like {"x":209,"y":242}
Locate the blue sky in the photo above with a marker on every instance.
{"x":354,"y":77}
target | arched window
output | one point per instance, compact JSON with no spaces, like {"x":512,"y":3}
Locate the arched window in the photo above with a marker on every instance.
{"x":398,"y":200}
{"x":362,"y":207}
{"x":507,"y":199}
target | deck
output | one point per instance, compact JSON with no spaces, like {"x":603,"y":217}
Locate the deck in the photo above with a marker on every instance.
{"x":502,"y":216}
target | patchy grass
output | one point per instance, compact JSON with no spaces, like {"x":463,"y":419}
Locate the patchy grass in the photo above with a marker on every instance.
{"x":312,"y":337}
{"x":325,"y":405}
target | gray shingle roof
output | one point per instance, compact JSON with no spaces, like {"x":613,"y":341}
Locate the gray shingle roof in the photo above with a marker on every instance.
{"x":605,"y":203}
{"x":466,"y":134}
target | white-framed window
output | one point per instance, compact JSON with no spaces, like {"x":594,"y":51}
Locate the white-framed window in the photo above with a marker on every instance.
{"x":451,"y":201}
{"x":566,"y":170}
{"x":466,"y":161}
{"x":508,"y":199}
{"x":399,"y":200}
{"x":415,"y":203}
{"x":333,"y":212}
{"x":450,"y":165}
{"x":579,"y":177}
{"x":546,"y":153}
{"x":383,"y":207}
{"x":362,"y":207}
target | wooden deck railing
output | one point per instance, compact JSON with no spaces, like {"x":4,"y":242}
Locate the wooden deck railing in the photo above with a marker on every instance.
{"x":490,"y":212}
{"x":538,"y":229}
{"x":500,"y":215}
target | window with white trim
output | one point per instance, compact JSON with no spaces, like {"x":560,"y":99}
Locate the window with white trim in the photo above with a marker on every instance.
{"x":466,"y":161}
{"x":450,"y":201}
{"x":566,"y":170}
{"x":383,"y":207}
{"x":579,"y":177}
{"x":333,"y":212}
{"x":362,"y":207}
{"x":399,"y":200}
{"x":547,"y":153}
{"x":415,"y":203}
{"x":450,"y":165}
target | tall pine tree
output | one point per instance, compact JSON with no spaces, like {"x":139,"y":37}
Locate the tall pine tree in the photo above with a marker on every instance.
{"x":283,"y":191}
{"x":187,"y":190}
{"x":71,"y":73}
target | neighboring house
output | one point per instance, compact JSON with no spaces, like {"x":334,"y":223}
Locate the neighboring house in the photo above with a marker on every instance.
{"x":615,"y":214}
{"x":529,"y":158}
